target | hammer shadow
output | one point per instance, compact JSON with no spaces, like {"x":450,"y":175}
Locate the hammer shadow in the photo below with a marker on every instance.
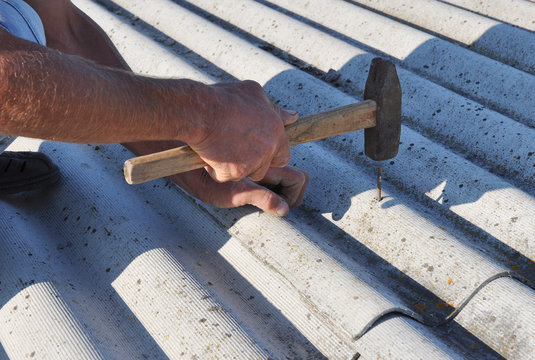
{"x":388,"y":279}
{"x":403,"y":179}
{"x":444,"y":217}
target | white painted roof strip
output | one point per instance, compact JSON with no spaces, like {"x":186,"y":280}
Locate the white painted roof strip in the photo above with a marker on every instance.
{"x":520,"y":13}
{"x":125,"y":272}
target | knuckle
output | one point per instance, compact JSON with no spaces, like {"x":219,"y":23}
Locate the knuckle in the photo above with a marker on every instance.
{"x":221,"y":174}
{"x":259,"y":174}
{"x":256,"y":176}
{"x":238,"y":172}
{"x":252,"y":84}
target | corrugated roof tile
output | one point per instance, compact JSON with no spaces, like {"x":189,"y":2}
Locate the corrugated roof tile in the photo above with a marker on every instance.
{"x":125,"y":272}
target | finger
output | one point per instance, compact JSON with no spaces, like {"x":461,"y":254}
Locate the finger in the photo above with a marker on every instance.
{"x":199,"y":183}
{"x":248,"y":192}
{"x":299,"y":198}
{"x":291,"y":183}
{"x":231,"y":194}
{"x":219,"y":175}
{"x":288,"y":116}
{"x":227,"y":172}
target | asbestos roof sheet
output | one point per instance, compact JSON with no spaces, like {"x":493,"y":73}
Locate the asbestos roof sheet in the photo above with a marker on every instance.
{"x":442,"y":267}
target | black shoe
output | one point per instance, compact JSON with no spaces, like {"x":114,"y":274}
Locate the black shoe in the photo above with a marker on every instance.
{"x":24,"y":171}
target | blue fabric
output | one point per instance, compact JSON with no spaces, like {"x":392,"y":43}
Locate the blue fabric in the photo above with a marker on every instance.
{"x":19,"y":19}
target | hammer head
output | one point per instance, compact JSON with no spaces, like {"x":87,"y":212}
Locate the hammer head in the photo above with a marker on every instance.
{"x":382,"y":141}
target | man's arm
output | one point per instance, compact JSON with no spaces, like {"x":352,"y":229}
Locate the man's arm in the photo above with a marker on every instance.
{"x":51,"y":95}
{"x":256,"y":147}
{"x":70,"y":31}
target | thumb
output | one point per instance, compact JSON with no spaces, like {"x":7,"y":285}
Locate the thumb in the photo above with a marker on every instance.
{"x":248,"y":192}
{"x":288,"y":116}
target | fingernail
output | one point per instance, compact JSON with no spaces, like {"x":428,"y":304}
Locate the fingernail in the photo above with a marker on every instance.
{"x":283,"y":208}
{"x":292,"y":112}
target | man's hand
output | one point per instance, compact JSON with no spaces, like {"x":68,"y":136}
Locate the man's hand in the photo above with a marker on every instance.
{"x":244,"y":133}
{"x":279,"y":190}
{"x":233,"y":127}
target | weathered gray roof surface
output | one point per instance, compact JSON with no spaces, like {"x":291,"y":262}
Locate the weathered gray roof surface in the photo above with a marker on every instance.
{"x":96,"y":268}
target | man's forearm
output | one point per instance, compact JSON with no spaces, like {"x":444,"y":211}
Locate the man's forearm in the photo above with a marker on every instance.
{"x":50,"y":95}
{"x":234,"y":127}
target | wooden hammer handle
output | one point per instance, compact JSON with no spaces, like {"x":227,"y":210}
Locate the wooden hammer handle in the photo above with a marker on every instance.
{"x":309,"y":128}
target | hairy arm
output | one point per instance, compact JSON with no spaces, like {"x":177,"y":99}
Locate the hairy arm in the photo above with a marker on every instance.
{"x":52,"y":95}
{"x":150,"y":105}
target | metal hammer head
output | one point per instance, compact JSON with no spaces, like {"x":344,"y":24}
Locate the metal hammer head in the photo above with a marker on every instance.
{"x":382,"y":141}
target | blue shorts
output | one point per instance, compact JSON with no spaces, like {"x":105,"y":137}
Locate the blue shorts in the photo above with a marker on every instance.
{"x":19,"y":19}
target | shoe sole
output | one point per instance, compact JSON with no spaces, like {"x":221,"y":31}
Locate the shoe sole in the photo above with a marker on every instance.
{"x":35,"y":183}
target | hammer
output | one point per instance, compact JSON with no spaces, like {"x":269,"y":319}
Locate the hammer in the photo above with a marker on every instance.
{"x":379,"y":114}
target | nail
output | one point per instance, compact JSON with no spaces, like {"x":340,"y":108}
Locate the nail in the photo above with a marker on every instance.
{"x":292,"y":112}
{"x":283,"y":208}
{"x":379,"y":176}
